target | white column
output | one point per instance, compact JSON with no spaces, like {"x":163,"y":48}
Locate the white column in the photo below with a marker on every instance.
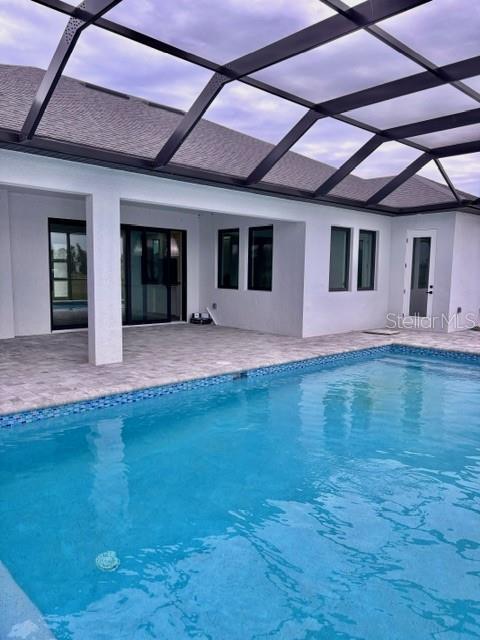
{"x":7,"y":324}
{"x":104,"y":281}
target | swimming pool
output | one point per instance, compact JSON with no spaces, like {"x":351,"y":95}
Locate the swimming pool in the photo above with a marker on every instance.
{"x":337,"y":501}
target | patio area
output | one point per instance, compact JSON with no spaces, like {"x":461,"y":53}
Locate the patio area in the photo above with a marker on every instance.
{"x":45,"y":370}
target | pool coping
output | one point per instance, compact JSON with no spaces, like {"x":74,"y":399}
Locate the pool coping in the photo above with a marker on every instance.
{"x":19,"y":616}
{"x":27,"y":416}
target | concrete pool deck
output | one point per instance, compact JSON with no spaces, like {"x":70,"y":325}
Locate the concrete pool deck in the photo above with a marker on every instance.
{"x":40,"y":371}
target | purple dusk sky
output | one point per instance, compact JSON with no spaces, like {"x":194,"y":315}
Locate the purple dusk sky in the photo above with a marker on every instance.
{"x":442,"y":30}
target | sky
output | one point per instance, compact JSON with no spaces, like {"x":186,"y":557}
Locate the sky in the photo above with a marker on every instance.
{"x":442,"y":30}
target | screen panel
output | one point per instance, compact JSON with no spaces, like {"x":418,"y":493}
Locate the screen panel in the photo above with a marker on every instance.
{"x":387,"y":160}
{"x":415,"y":107}
{"x":29,"y":33}
{"x":331,"y":141}
{"x":219,"y":30}
{"x":464,"y":172}
{"x":254,"y":112}
{"x":474,"y":83}
{"x":351,"y":63}
{"x":135,"y":69}
{"x":443,"y":31}
{"x":458,"y":135}
{"x":426,"y":187}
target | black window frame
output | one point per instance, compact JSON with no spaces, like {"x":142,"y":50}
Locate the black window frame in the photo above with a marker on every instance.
{"x":347,"y":265}
{"x":373,"y":258}
{"x":69,"y":226}
{"x":251,"y":232}
{"x":127,"y":229}
{"x":220,"y":234}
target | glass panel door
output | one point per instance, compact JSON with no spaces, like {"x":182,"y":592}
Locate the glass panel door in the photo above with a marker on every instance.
{"x":68,"y":274}
{"x":149,"y":299}
{"x":153,"y":275}
{"x":419,"y":287}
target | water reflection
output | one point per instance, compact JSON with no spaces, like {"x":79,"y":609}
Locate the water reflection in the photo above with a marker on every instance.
{"x":110,"y":492}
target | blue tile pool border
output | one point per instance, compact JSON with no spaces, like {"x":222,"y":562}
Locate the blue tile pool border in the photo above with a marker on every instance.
{"x":129,"y":397}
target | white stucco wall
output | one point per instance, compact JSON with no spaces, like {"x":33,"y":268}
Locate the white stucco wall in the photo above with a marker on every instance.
{"x":465,"y":281}
{"x":7,"y":320}
{"x":277,"y":311}
{"x":29,"y":213}
{"x":336,"y":311}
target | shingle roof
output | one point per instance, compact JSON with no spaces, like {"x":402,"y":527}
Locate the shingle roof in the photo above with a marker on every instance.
{"x":83,"y":114}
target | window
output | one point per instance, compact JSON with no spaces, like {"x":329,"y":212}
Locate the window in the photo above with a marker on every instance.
{"x":339,"y":259}
{"x":228,"y":242}
{"x":68,"y":274}
{"x":367,"y":246}
{"x":260,"y":254}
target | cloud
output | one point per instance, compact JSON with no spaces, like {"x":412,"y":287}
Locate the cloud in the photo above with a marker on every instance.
{"x":223,"y":30}
{"x":109,"y":60}
{"x":29,"y":33}
{"x":444,"y":31}
{"x":388,"y":160}
{"x":254,"y":112}
{"x":464,"y":172}
{"x":331,"y":141}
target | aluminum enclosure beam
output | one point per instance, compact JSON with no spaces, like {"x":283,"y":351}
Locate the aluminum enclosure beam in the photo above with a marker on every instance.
{"x":398,"y":180}
{"x":443,"y":123}
{"x":348,"y":166}
{"x":447,"y":179}
{"x":318,"y":34}
{"x":287,"y":142}
{"x":65,"y":47}
{"x":190,"y":119}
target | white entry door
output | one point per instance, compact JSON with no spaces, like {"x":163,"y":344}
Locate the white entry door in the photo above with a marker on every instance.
{"x":419,"y":282}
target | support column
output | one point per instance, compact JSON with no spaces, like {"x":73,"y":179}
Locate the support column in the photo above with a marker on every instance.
{"x":104,"y":279}
{"x":7,"y":324}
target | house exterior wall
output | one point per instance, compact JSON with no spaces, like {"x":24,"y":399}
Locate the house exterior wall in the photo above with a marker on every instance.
{"x":465,"y":277}
{"x":277,"y":311}
{"x":300,"y":303}
{"x":337,"y":311}
{"x":7,"y":320}
{"x":28,"y":214}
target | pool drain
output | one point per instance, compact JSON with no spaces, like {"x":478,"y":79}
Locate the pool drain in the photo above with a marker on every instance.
{"x":107,"y":561}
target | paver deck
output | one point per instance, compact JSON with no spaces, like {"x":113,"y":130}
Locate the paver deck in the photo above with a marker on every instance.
{"x":38,"y":371}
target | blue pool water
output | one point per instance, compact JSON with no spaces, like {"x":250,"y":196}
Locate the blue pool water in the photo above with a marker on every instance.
{"x":331,"y":504}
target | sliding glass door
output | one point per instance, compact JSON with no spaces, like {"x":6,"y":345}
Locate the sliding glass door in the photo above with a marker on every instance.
{"x":152,"y":267}
{"x":154,"y":275}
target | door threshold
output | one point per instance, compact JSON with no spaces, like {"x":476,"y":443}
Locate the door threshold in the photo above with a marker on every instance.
{"x":153,"y":324}
{"x":124,"y":326}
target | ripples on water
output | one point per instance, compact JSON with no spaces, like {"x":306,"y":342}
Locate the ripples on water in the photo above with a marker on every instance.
{"x":337,"y":504}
